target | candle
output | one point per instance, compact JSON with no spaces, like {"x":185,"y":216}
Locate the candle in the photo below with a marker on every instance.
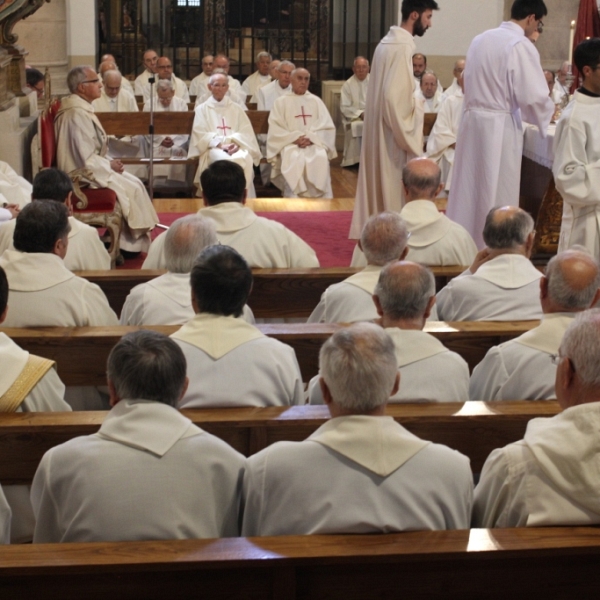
{"x":571,"y":42}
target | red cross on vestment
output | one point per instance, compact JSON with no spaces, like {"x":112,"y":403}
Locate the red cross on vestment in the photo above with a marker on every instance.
{"x":223,"y":127}
{"x":302,"y":116}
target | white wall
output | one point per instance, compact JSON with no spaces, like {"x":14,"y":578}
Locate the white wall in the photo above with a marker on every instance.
{"x":81,"y":30}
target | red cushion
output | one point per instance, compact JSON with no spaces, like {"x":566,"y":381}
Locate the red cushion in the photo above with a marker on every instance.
{"x":47,"y":136}
{"x":102,"y":200}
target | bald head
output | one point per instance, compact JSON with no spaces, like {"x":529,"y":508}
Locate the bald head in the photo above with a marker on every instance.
{"x":459,"y":67}
{"x":300,"y":80}
{"x":422,"y":179}
{"x":384,"y":238}
{"x":429,"y":85}
{"x":221,"y":62}
{"x":360,"y":68}
{"x":107,"y":65}
{"x":509,"y":229}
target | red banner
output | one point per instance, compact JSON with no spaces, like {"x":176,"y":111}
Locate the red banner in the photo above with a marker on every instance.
{"x":588,"y":25}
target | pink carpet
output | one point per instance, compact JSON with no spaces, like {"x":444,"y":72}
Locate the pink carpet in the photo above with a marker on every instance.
{"x":325,"y":232}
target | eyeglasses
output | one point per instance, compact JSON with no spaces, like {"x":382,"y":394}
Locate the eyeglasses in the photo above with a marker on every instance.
{"x":555,"y":359}
{"x":91,"y":81}
{"x":540,"y":26}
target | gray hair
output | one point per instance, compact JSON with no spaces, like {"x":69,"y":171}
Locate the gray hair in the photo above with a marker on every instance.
{"x":421,"y":185}
{"x":147,"y":365}
{"x":76,"y":76}
{"x":384,"y":238}
{"x":361,"y":58}
{"x":402,"y":295}
{"x":184,"y":241}
{"x":165,"y":84}
{"x":581,"y":344}
{"x":359,"y":366}
{"x":111,"y":73}
{"x":561,"y":290}
{"x":216,"y":72}
{"x":300,"y":69}
{"x":263,"y":53}
{"x":509,"y":232}
{"x":286,"y":63}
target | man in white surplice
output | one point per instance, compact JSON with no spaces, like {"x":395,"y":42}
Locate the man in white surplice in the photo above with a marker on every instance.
{"x":383,"y":240}
{"x":504,"y":83}
{"x":235,"y":91}
{"x":459,"y":67}
{"x":167,"y":300}
{"x":164,"y":70}
{"x":149,"y":59}
{"x":360,"y":472}
{"x":352,"y":106}
{"x":502,"y":284}
{"x":85,"y":251}
{"x":264,"y":243}
{"x":419,"y":65}
{"x":149,"y":473}
{"x":560,"y":89}
{"x":199,"y":85}
{"x":82,"y":142}
{"x":301,"y":142}
{"x":434,"y":239}
{"x":259,"y":78}
{"x":428,"y":93}
{"x":111,"y":65}
{"x":550,"y":477}
{"x":222,"y":131}
{"x":231,"y":362}
{"x":393,"y":129}
{"x":404,"y":297}
{"x":521,"y":369}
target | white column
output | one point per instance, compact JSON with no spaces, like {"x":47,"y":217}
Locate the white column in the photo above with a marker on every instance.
{"x":81,"y":32}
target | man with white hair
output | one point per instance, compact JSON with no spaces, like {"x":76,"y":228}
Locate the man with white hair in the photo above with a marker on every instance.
{"x":301,"y":142}
{"x":273,"y":70}
{"x":82,"y":142}
{"x":502,"y":284}
{"x":521,"y":369}
{"x":164,"y":71}
{"x":198,"y":85}
{"x":550,"y":477}
{"x":383,"y":240}
{"x":360,"y":472}
{"x":111,"y":65}
{"x":352,"y":106}
{"x":149,"y":59}
{"x":222,"y":131}
{"x":167,"y":300}
{"x":404,"y":297}
{"x":235,"y":91}
{"x":231,"y":362}
{"x":260,"y":77}
{"x":428,"y":93}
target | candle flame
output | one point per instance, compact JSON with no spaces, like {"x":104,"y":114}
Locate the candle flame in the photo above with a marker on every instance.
{"x":572,"y":24}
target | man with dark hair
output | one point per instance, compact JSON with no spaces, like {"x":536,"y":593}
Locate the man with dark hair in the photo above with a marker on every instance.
{"x":393,"y":129}
{"x":577,"y":155}
{"x":504,"y":84}
{"x":263,"y":243}
{"x":230,"y":362}
{"x":35,"y":81}
{"x":149,"y":473}
{"x":85,"y":251}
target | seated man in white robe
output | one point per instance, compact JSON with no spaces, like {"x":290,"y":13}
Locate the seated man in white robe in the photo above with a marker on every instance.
{"x":199,"y":85}
{"x":81,"y":142}
{"x":273,"y":72}
{"x":501,"y":284}
{"x":352,"y":106}
{"x":522,"y":368}
{"x":459,"y":67}
{"x":560,"y":89}
{"x":301,"y":142}
{"x":419,"y":63}
{"x":264,"y":243}
{"x":167,"y":300}
{"x":111,"y":65}
{"x":429,"y":94}
{"x":383,"y":240}
{"x":149,"y":473}
{"x":434,"y":239}
{"x":15,"y":189}
{"x":28,"y":383}
{"x":85,"y":251}
{"x":404,"y":297}
{"x":222,"y":131}
{"x":259,"y":78}
{"x":235,"y":92}
{"x":360,"y":472}
{"x":550,"y":477}
{"x":231,"y":362}
{"x":149,"y":59}
{"x":164,"y":70}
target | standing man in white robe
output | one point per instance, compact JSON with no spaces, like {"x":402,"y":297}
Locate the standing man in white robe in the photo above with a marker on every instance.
{"x":352,"y":106}
{"x":550,"y":477}
{"x":15,"y":190}
{"x":235,"y":91}
{"x":459,"y":67}
{"x":360,"y":472}
{"x":504,"y":84}
{"x":259,"y":78}
{"x":141,"y":81}
{"x":82,"y":142}
{"x":149,"y":473}
{"x":428,"y":93}
{"x":393,"y":129}
{"x":222,"y":131}
{"x":301,"y":142}
{"x":502,"y":284}
{"x":522,"y":369}
{"x":230,"y":362}
{"x":577,"y":155}
{"x":199,"y":85}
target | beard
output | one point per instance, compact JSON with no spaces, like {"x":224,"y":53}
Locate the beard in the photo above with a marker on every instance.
{"x":419,"y":29}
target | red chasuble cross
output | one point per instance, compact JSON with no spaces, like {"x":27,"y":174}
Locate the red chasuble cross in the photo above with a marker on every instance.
{"x":223,"y":127}
{"x":302,"y":116}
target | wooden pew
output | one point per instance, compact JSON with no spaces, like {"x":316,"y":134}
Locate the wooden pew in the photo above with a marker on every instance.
{"x":473,"y":428}
{"x":67,"y":345}
{"x":140,"y":100}
{"x":492,"y":564}
{"x":277,"y":293}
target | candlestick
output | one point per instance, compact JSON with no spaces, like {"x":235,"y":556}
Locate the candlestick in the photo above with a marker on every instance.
{"x":571,"y":42}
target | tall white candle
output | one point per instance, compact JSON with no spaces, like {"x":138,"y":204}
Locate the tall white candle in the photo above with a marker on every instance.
{"x":571,"y":42}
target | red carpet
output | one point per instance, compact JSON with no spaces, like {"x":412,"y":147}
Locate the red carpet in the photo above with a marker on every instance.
{"x":325,"y":232}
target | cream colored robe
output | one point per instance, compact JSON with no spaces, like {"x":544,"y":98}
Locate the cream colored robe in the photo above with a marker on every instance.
{"x":198,"y":85}
{"x":352,"y":106}
{"x":181,"y":90}
{"x":253,"y":83}
{"x":14,"y":188}
{"x":431,"y":105}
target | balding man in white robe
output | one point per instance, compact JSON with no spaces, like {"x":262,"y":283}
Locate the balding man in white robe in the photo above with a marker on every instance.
{"x":522,"y":369}
{"x":301,"y":142}
{"x":111,"y":65}
{"x":459,"y":67}
{"x":149,"y":60}
{"x":259,"y":78}
{"x":360,"y":472}
{"x":15,"y":189}
{"x":235,"y":91}
{"x":428,"y":93}
{"x":173,"y":481}
{"x":164,"y":70}
{"x":199,"y":85}
{"x":352,"y":106}
{"x":419,"y":64}
{"x":222,"y":131}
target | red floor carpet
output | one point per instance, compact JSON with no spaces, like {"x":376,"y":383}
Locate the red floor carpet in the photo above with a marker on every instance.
{"x":325,"y":232}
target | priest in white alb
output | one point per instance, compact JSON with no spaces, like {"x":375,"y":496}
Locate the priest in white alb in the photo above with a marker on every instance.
{"x":301,"y":142}
{"x":149,"y":59}
{"x":459,"y":67}
{"x":259,"y":78}
{"x":235,"y":91}
{"x":222,"y":131}
{"x":164,"y":70}
{"x":199,"y":85}
{"x":428,"y":94}
{"x":352,"y":106}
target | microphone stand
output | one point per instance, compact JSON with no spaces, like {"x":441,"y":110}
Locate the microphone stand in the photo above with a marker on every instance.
{"x":151,"y":81}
